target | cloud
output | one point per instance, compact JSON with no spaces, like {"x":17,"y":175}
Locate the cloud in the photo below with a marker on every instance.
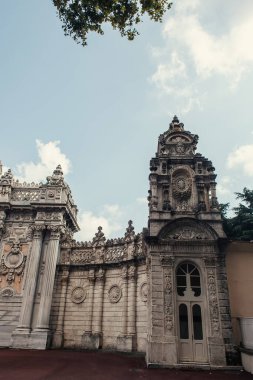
{"x":113,"y":211}
{"x":109,"y":219}
{"x":223,"y":187}
{"x":50,"y":156}
{"x":166,"y":74}
{"x":194,"y":52}
{"x":229,"y":54}
{"x":142,"y":200}
{"x":168,"y":77}
{"x":242,"y":157}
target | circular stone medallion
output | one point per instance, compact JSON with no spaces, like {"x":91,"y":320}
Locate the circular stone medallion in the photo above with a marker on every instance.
{"x":78,"y":294}
{"x":114,"y":294}
{"x":13,"y":259}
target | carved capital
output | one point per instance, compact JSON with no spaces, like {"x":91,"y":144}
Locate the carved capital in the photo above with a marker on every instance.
{"x":167,"y":261}
{"x":65,"y":275}
{"x":124,"y":273}
{"x":56,"y":231}
{"x":209,"y":261}
{"x":36,"y":230}
{"x":132,"y":272}
{"x":100,"y":276}
{"x":91,"y":275}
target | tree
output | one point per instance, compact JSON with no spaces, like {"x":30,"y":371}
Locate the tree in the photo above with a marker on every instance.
{"x":227,"y":222}
{"x":240,"y":227}
{"x":243,"y":221}
{"x":79,"y":17}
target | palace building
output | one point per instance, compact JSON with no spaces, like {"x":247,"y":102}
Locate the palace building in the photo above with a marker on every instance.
{"x":179,"y":291}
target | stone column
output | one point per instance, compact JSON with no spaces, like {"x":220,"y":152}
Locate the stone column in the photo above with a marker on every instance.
{"x":59,"y":332}
{"x":124,"y":343}
{"x":215,"y":341}
{"x":125,"y":299}
{"x":87,"y":338}
{"x":91,"y":299}
{"x":21,"y":334}
{"x":153,"y":189}
{"x":161,"y":340}
{"x":213,"y":202}
{"x":41,"y":332}
{"x":98,"y":315}
{"x":131,"y":331}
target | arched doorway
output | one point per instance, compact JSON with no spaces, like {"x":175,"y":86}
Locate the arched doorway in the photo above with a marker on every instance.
{"x":190,"y":311}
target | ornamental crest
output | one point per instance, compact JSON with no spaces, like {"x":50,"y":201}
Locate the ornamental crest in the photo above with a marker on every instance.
{"x":13,"y":264}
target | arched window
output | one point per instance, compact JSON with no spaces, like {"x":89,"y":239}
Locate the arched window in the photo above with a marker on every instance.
{"x":188,"y":278}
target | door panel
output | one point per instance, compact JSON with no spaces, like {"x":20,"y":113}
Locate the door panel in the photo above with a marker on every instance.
{"x":192,"y":343}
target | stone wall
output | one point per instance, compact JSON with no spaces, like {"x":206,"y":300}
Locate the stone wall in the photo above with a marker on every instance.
{"x":9,"y":317}
{"x":100,"y":294}
{"x":239,"y":262}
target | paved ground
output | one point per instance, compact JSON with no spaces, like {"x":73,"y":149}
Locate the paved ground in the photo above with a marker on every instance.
{"x":72,"y":365}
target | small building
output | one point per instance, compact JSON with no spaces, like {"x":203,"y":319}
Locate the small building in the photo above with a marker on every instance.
{"x":176,"y":291}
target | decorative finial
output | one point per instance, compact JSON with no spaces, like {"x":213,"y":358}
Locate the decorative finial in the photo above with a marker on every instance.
{"x":7,"y":178}
{"x":57,"y":177}
{"x":58,"y":170}
{"x":175,"y":125}
{"x":99,"y":238}
{"x":129,"y":234}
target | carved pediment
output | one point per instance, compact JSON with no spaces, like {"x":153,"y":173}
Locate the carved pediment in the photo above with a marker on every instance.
{"x":187,"y":229}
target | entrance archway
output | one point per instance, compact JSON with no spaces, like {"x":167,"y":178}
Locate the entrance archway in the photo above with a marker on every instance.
{"x":190,"y":312}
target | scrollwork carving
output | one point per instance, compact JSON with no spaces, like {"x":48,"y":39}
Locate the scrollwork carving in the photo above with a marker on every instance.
{"x":213,"y":302}
{"x":168,"y":302}
{"x":7,"y":292}
{"x":13,"y":264}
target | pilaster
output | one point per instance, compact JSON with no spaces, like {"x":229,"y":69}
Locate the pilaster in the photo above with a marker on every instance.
{"x":20,"y":337}
{"x":58,"y":337}
{"x":98,"y":309}
{"x":41,"y":335}
{"x":88,"y":340}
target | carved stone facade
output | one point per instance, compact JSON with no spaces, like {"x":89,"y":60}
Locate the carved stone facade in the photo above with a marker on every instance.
{"x":184,"y":239}
{"x":161,"y":292}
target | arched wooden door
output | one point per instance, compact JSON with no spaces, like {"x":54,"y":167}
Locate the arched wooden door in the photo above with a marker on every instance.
{"x":191,"y":332}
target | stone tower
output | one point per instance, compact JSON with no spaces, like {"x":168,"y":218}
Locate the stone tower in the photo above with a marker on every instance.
{"x":189,"y":315}
{"x":34,"y":221}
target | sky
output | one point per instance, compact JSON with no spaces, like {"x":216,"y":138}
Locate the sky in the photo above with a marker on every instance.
{"x":98,"y":110}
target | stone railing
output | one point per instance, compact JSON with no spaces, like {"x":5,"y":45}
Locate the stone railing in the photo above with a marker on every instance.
{"x":25,"y":194}
{"x":113,"y":251}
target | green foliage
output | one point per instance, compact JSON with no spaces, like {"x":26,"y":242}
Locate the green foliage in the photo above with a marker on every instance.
{"x":79,"y":17}
{"x":240,"y":227}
